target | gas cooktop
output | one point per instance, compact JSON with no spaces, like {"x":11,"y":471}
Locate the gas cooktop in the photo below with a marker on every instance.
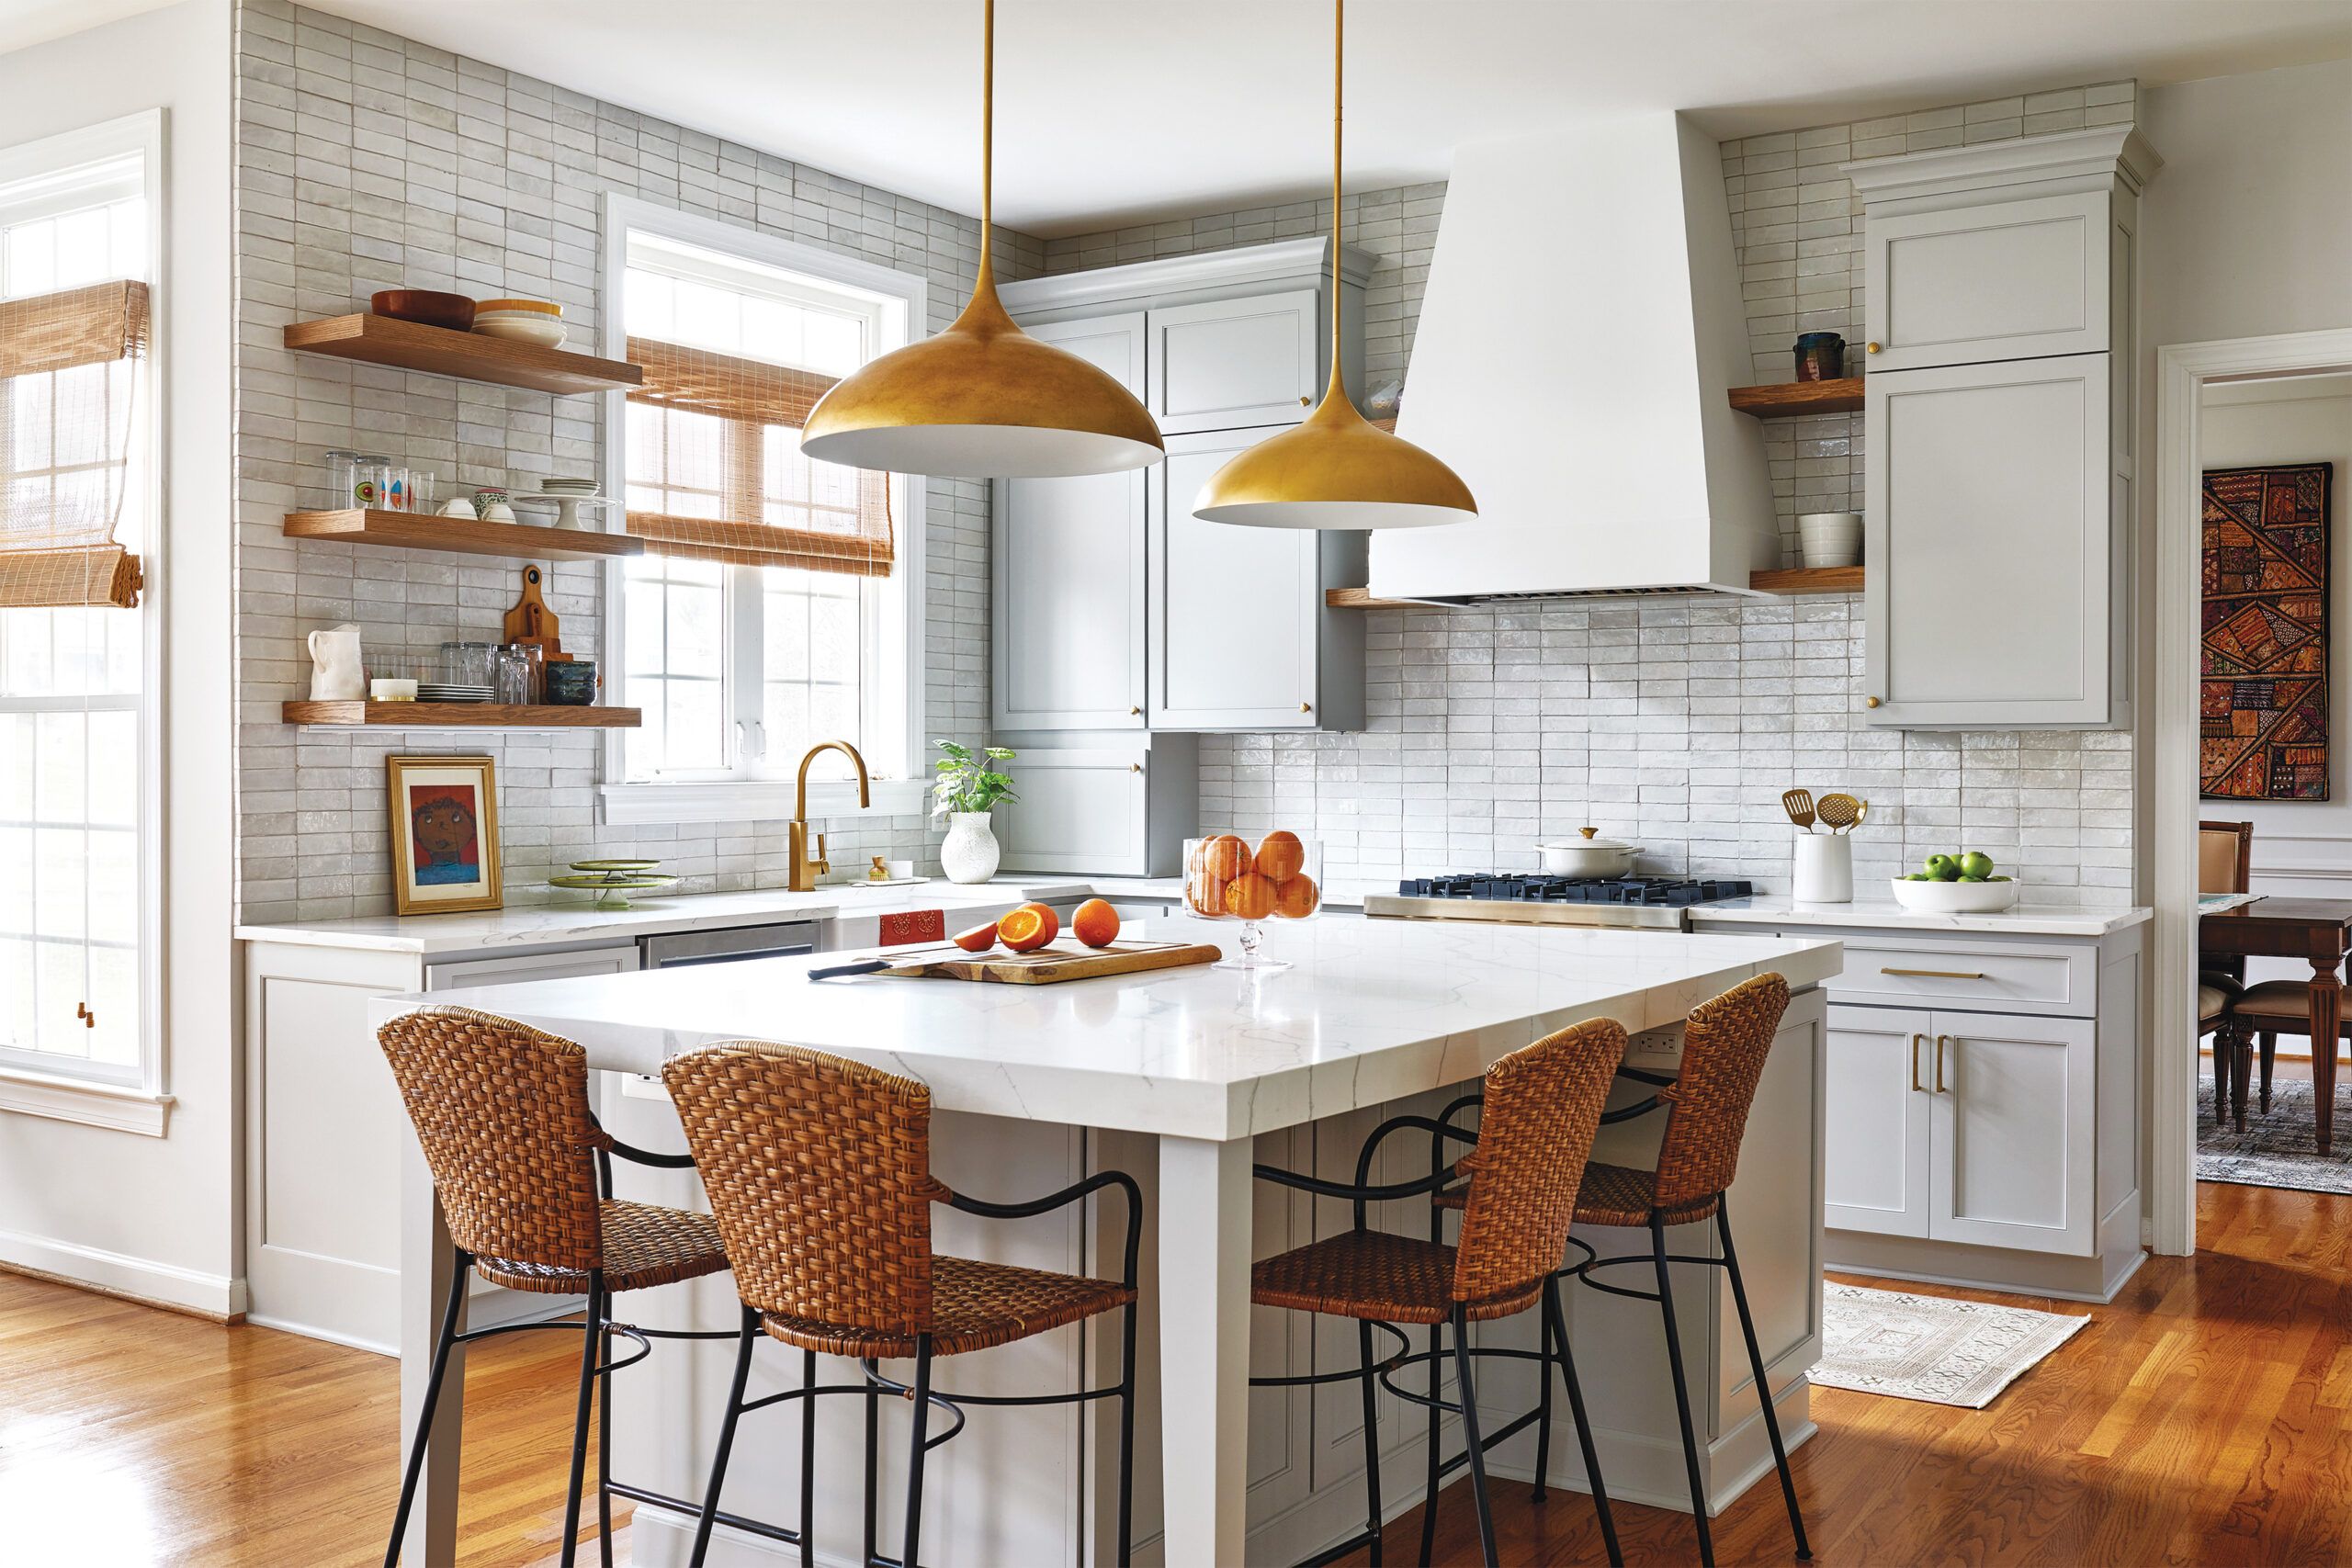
{"x":1650,"y":901}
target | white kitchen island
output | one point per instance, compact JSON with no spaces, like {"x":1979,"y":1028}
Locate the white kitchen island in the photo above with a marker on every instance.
{"x":1183,"y":1077}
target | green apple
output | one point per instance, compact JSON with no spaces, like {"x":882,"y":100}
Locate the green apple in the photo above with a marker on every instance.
{"x":1997,"y":879}
{"x":1975,"y":866}
{"x":1918,"y":876}
{"x":1942,"y":868}
{"x":1971,"y":879}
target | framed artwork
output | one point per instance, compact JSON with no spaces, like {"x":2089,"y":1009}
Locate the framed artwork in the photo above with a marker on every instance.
{"x":445,"y":834}
{"x":2263,"y":730}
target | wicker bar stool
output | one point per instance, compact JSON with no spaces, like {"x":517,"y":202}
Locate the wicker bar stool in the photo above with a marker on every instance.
{"x":525,"y":1177}
{"x":819,"y":1174}
{"x":1543,"y":1105}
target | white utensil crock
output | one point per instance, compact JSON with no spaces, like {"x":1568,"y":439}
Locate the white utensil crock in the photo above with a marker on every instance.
{"x":335,"y":673}
{"x":969,"y":851}
{"x":1825,"y":869}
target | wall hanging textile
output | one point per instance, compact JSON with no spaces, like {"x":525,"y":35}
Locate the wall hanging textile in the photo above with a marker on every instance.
{"x":2264,"y":696}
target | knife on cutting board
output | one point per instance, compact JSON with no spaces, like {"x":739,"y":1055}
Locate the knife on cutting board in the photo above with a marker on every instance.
{"x":889,"y":960}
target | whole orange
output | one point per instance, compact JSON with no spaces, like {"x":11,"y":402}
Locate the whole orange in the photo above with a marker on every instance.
{"x":1095,"y":923}
{"x":1205,"y":894}
{"x":1225,"y":857}
{"x":1281,"y":856}
{"x":1251,"y":895}
{"x":1297,"y":899}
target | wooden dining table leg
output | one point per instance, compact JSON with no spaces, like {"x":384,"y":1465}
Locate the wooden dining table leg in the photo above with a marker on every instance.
{"x":2238,"y":1044}
{"x":2326,"y":1015}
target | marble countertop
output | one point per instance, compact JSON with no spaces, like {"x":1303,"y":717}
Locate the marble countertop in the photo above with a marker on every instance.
{"x":1373,"y":1011}
{"x":1885,"y":914}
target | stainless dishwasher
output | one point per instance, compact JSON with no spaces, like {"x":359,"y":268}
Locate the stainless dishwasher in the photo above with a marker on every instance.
{"x":729,"y":944}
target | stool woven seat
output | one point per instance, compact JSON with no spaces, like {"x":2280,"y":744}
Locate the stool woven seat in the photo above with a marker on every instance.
{"x":1377,"y":1276}
{"x":973,"y":1305}
{"x":1615,"y":1195}
{"x":644,"y":1245}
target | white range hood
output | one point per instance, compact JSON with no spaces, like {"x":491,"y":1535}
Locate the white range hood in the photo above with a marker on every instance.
{"x":1581,"y":326}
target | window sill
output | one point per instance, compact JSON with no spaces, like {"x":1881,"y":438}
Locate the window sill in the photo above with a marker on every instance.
{"x":92,"y":1104}
{"x":761,"y":800}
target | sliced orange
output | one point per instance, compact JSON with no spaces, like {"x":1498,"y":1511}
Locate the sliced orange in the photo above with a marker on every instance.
{"x":979,"y":938}
{"x":1028,"y":928}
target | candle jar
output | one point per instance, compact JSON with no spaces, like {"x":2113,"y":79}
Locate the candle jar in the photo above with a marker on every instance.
{"x":1821,"y":356}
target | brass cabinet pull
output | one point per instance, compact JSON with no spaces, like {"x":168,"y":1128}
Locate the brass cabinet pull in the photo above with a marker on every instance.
{"x":1871,"y":347}
{"x":1941,"y":1041}
{"x":1134,"y":767}
{"x":1130,"y":712}
{"x":1937,"y":973}
{"x":1916,"y":1041}
{"x":1870,"y":701}
{"x":1305,"y":707}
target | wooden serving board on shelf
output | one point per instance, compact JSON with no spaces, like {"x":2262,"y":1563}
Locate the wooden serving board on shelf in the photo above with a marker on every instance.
{"x":1057,"y":962}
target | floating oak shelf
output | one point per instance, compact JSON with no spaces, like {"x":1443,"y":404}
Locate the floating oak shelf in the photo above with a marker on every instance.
{"x":1808,"y":580}
{"x":460,"y":715}
{"x":472,"y":356}
{"x":1792,"y":399}
{"x":1361,"y":598}
{"x":464,"y":535}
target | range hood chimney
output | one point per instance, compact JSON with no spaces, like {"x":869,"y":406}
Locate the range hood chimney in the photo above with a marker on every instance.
{"x":1582,"y":323}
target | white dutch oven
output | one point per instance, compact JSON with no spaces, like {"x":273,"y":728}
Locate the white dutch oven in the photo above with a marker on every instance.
{"x":1588,"y":856}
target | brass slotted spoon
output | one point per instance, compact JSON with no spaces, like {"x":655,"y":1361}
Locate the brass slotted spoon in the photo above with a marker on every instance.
{"x":1841,"y":813}
{"x":1798,"y":804}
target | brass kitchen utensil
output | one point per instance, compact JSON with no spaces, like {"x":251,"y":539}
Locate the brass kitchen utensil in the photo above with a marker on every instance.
{"x":1839,"y":812}
{"x":1798,"y":804}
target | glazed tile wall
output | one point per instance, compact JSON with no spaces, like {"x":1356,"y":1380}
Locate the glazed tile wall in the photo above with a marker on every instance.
{"x":368,"y":161}
{"x":1673,"y":722}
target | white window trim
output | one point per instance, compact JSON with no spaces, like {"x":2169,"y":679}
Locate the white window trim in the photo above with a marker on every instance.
{"x":141,"y":1106}
{"x":746,"y":800}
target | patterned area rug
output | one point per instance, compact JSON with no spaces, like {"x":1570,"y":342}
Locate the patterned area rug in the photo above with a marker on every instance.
{"x":1931,"y":1348}
{"x":2276,"y":1150}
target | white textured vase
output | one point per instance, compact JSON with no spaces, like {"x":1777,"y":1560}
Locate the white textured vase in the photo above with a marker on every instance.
{"x":969,"y":852}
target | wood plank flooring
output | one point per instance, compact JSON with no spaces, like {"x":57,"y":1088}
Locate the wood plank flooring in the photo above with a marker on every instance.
{"x":2205,"y":1417}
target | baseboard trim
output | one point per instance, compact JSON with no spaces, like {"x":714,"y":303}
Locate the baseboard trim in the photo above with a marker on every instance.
{"x":217,"y":1298}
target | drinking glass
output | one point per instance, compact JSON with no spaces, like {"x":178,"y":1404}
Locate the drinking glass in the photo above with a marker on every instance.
{"x":466,"y":663}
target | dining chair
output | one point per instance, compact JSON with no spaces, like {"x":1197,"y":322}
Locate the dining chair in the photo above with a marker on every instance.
{"x":525,"y":1177}
{"x":818,"y":1170}
{"x":2225,"y":865}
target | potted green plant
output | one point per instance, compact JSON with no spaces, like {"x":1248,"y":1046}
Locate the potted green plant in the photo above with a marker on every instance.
{"x":966,"y":790}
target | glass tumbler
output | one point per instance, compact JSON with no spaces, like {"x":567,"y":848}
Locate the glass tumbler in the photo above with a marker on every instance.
{"x":518,"y":671}
{"x":466,"y":663}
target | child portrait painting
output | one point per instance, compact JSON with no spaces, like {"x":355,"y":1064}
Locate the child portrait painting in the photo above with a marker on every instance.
{"x":444,"y":833}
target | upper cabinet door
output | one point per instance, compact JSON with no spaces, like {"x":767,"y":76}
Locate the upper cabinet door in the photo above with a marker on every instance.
{"x":1234,"y":611}
{"x":2005,"y":280}
{"x":1231,"y":362}
{"x":1065,"y":572}
{"x":1988,"y":602}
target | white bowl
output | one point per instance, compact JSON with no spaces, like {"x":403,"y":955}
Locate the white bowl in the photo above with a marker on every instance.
{"x":1955,"y":897}
{"x":545,"y":331}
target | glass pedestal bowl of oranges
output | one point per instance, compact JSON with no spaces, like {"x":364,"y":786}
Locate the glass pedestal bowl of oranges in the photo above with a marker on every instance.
{"x":1229,"y":877}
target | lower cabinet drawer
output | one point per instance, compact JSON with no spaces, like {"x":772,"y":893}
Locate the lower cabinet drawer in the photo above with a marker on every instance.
{"x":2044,"y":978}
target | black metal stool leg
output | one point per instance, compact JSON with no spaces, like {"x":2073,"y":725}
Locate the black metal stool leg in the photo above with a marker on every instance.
{"x":1681,"y":1392}
{"x":725,"y":1438}
{"x":1756,"y":1366}
{"x":809,"y":1462}
{"x":604,"y":1448}
{"x":1429,"y":1500}
{"x":1371,"y":1442}
{"x":461,"y":1266}
{"x":1543,"y":1407}
{"x":906,"y":1557}
{"x":1559,"y":1327}
{"x":1467,"y":1392}
{"x":873,"y":1458}
{"x":590,"y":1341}
{"x":1127,"y":1437}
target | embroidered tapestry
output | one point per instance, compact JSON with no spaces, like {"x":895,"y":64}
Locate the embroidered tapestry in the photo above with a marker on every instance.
{"x":2264,"y":697}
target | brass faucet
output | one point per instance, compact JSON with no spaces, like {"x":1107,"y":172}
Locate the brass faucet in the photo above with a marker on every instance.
{"x":806,"y":867}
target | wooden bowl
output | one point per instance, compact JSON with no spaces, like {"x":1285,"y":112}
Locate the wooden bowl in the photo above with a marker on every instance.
{"x":426,"y":306}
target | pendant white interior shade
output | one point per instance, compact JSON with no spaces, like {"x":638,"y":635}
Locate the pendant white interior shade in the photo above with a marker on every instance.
{"x":983,"y":399}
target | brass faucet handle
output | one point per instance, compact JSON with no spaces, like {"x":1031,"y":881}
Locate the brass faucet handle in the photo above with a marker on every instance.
{"x":818,"y":862}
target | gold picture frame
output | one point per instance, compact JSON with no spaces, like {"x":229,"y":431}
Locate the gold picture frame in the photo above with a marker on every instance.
{"x":444,"y":834}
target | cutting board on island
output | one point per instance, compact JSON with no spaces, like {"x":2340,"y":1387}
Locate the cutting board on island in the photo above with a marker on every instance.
{"x":1057,"y":962}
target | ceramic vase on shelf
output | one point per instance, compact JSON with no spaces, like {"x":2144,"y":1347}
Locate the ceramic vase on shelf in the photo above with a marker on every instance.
{"x":969,"y":852}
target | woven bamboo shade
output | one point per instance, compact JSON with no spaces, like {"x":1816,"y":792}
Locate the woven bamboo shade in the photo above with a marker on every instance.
{"x":69,"y":377}
{"x":716,"y":437}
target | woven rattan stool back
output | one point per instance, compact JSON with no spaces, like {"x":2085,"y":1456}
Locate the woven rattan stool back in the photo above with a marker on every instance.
{"x":819,"y":1174}
{"x":1723,"y":1045}
{"x":502,"y":1111}
{"x":1543,"y":1106}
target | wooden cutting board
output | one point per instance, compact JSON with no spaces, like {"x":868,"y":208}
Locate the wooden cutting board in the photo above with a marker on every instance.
{"x":1055,"y":962}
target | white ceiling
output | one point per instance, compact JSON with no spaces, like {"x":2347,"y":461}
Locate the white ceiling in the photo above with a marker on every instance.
{"x":1120,"y":111}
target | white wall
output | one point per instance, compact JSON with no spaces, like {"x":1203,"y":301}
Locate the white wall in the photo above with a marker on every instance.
{"x":157,"y":1216}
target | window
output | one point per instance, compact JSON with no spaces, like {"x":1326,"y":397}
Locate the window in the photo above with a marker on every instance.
{"x":78,"y":860}
{"x":776,"y":605}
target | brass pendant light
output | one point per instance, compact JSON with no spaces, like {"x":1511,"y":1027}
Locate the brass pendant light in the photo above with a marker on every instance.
{"x":982,"y":399}
{"x":1337,"y":469}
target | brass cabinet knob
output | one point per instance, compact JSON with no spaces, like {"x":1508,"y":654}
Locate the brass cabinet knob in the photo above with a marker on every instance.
{"x":1870,"y":701}
{"x":1134,"y":767}
{"x":1870,"y":347}
{"x":1133,"y":711}
{"x":1305,"y":401}
{"x":1306,"y":707}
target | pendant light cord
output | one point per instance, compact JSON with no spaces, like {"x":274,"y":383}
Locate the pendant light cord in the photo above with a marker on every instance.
{"x":988,"y":130}
{"x":1339,"y":42}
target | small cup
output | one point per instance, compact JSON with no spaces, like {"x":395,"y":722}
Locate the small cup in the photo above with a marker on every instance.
{"x":901,"y":869}
{"x":571,"y":683}
{"x":392,"y":689}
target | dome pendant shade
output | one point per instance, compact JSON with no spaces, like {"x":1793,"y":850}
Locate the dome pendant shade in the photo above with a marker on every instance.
{"x":982,"y":399}
{"x":1337,"y":470}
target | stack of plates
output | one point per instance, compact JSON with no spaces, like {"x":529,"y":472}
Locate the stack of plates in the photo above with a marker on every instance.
{"x":522,"y":321}
{"x":451,"y":691}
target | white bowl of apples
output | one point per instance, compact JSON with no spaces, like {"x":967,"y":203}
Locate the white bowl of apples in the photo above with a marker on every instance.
{"x":1960,"y":883}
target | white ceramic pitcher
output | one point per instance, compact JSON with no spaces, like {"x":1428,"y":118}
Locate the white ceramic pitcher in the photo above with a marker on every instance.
{"x":337,"y":675}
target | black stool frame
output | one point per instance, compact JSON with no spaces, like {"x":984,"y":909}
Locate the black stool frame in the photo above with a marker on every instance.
{"x":873,"y":1384}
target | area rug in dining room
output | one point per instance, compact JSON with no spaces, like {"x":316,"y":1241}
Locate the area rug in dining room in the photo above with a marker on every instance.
{"x":1931,"y":1348}
{"x":2278,"y":1147}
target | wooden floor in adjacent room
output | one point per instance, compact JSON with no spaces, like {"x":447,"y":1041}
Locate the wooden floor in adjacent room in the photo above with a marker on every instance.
{"x":2206,"y":1418}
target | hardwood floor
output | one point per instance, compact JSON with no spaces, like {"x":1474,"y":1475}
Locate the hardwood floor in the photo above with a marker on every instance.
{"x":2205,"y":1417}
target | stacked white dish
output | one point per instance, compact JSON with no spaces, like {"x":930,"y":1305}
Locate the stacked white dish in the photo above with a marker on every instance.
{"x":521,"y":321}
{"x":453,"y":692}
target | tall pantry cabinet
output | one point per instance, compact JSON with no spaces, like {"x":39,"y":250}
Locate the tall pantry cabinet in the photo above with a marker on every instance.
{"x":1999,"y":425}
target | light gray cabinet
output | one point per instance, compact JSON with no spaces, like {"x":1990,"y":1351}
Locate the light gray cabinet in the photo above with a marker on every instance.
{"x":1876,"y":1154}
{"x":1116,"y":810}
{"x":1227,"y":364}
{"x":1996,"y":280}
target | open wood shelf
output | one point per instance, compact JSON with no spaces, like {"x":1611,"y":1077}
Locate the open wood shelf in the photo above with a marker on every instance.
{"x":1808,"y":580}
{"x":464,"y":535}
{"x":472,"y":357}
{"x":1361,"y":598}
{"x":460,"y":715}
{"x":1792,"y":400}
